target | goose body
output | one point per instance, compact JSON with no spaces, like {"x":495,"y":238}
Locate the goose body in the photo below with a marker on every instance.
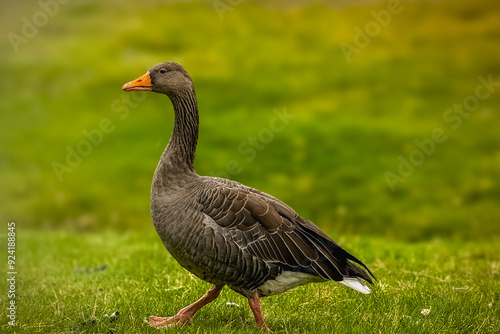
{"x":226,"y":233}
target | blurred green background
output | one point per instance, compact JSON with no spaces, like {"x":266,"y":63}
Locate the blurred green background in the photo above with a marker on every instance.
{"x":352,"y":118}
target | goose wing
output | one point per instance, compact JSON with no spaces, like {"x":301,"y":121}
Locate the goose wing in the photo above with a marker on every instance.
{"x":270,"y":230}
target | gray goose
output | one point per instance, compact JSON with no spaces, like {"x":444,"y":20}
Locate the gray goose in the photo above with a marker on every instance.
{"x":226,"y":233}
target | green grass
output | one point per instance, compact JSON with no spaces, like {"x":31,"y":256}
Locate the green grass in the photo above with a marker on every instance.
{"x":458,"y":282}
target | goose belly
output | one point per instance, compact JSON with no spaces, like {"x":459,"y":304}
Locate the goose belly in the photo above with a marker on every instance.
{"x":285,"y":281}
{"x":187,"y":237}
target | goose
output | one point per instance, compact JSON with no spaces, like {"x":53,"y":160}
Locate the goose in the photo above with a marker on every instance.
{"x":226,"y":233}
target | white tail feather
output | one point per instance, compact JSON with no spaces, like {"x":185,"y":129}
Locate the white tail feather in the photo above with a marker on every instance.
{"x":355,"y":284}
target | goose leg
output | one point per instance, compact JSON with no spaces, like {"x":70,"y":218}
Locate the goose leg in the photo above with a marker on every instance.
{"x":254,"y":303}
{"x":187,"y":313}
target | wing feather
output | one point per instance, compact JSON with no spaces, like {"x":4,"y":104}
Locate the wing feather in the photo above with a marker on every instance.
{"x":263,"y":227}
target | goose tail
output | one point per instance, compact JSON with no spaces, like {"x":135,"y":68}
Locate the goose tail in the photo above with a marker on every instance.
{"x":356,"y":284}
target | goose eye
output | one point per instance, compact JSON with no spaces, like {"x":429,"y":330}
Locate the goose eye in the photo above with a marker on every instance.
{"x":163,"y":71}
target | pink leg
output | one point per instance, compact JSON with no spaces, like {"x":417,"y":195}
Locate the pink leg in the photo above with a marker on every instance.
{"x":187,"y":313}
{"x":254,"y":303}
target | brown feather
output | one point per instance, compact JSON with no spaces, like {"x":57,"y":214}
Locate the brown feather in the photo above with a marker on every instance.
{"x":269,"y":230}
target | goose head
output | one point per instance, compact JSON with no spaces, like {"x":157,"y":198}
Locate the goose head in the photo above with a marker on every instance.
{"x":167,"y":78}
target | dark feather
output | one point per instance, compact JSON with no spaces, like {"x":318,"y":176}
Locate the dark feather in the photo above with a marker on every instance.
{"x":267,"y":229}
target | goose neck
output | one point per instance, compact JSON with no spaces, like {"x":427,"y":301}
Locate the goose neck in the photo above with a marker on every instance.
{"x":181,"y":148}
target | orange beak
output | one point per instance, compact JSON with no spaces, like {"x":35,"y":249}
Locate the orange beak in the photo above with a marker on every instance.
{"x":141,"y":83}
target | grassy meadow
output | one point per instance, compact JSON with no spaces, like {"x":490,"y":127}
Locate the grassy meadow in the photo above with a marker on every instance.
{"x":61,"y":293}
{"x":282,"y":109}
